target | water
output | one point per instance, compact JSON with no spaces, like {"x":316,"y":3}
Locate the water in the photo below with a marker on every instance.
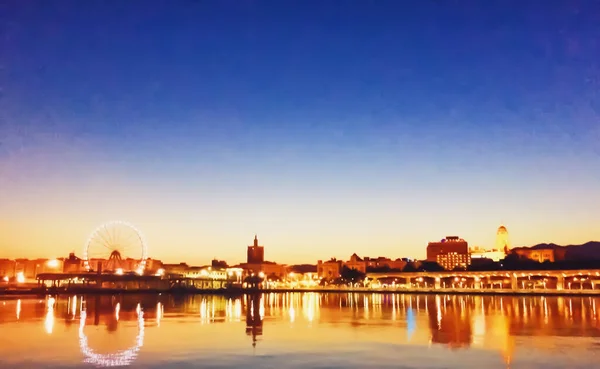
{"x":296,"y":330}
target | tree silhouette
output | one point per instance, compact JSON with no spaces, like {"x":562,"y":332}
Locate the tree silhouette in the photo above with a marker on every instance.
{"x":409,"y":268}
{"x":352,"y":275}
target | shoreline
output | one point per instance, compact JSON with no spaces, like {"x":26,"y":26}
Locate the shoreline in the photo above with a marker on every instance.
{"x":11,"y":294}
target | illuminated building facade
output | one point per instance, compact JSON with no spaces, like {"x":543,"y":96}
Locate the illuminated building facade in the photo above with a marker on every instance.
{"x":451,"y":253}
{"x":480,"y":253}
{"x":329,"y":269}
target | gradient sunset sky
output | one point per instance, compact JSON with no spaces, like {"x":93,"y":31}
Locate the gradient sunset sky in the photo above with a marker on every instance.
{"x":326,"y":127}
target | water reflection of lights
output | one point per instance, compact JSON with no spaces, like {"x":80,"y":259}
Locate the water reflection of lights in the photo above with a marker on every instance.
{"x":121,"y":358}
{"x":159,"y":313}
{"x":261,"y":308}
{"x":19,"y":309}
{"x":238,"y":310}
{"x":74,"y":306}
{"x":411,"y":324}
{"x":203,"y":311}
{"x":310,"y":303}
{"x":117,"y":310}
{"x":439,"y":311}
{"x":49,"y":321}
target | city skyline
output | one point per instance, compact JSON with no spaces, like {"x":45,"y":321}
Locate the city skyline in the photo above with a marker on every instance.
{"x":374,"y":129}
{"x":240,"y":260}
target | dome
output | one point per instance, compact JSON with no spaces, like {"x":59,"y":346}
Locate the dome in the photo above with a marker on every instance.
{"x":502,"y":229}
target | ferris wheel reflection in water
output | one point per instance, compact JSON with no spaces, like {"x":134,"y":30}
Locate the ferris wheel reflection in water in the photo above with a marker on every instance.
{"x":121,"y":358}
{"x":118,"y":359}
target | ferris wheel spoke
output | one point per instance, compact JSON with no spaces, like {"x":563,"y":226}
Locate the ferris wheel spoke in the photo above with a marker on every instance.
{"x":101,"y":242}
{"x":100,"y":249}
{"x":108,"y":234}
{"x":106,"y":241}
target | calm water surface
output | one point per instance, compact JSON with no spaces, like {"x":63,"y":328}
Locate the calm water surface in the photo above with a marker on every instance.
{"x":300,"y":330}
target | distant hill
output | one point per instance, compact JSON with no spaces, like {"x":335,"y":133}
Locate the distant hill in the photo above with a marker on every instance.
{"x":303,"y":268}
{"x":587,"y":251}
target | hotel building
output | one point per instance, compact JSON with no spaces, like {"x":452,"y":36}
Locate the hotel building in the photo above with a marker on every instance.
{"x":451,"y":252}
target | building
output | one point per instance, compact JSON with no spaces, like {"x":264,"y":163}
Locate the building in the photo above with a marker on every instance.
{"x":73,"y":264}
{"x":175,"y":269}
{"x":546,"y":254}
{"x":480,"y":253}
{"x":332,"y":268}
{"x":502,"y":240}
{"x":356,"y":262}
{"x":256,"y":253}
{"x":7,"y":269}
{"x":383,"y":262}
{"x":452,"y":252}
{"x":329,"y":269}
{"x":205,"y":272}
{"x":257,"y":265}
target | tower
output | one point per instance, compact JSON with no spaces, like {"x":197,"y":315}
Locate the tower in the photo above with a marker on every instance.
{"x":256,"y":253}
{"x":502,"y":241}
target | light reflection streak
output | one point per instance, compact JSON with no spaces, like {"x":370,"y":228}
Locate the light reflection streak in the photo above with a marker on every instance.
{"x":438,"y":307}
{"x":49,"y":321}
{"x":18,"y":309}
{"x":394,"y":307}
{"x":117,"y":310}
{"x":121,"y":358}
{"x":74,"y":306}
{"x":310,"y":304}
{"x":229,"y":310}
{"x":203,"y":311}
{"x":261,"y":308}
{"x":212,"y":312}
{"x":238,"y":310}
{"x":159,"y":313}
{"x":411,"y":324}
{"x":292,"y":314}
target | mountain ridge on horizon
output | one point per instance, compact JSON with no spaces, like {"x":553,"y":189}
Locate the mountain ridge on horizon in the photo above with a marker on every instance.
{"x":586,"y":251}
{"x":551,"y":245}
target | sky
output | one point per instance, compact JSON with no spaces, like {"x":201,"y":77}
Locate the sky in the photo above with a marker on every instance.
{"x":324,"y":127}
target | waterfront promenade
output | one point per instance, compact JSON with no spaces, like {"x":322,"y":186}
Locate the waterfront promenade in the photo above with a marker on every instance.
{"x":541,"y":282}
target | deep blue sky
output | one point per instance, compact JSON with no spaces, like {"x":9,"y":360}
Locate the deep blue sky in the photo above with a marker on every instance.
{"x":327,"y":127}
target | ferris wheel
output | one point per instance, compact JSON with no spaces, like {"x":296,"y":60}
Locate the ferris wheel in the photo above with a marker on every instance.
{"x":113,"y":242}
